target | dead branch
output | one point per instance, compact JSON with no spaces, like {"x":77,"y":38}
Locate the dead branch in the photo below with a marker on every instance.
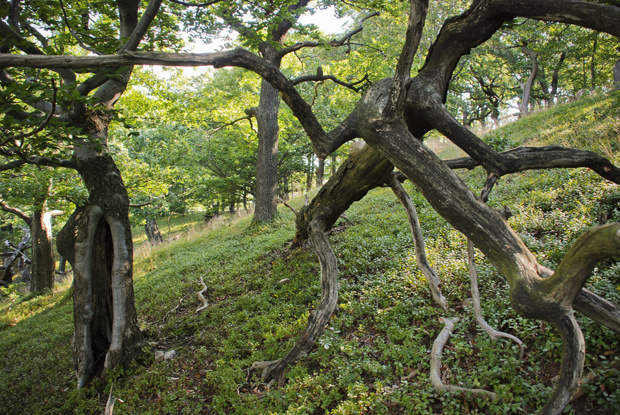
{"x":546,"y":157}
{"x":295,"y":211}
{"x":436,"y":352}
{"x":109,"y":406}
{"x":344,"y":40}
{"x":248,"y":117}
{"x":319,"y":77}
{"x":182,"y":3}
{"x":205,"y":304}
{"x":418,"y":242}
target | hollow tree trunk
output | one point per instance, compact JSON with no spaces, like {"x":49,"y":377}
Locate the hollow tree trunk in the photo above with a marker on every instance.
{"x":97,"y":243}
{"x":43,"y":264}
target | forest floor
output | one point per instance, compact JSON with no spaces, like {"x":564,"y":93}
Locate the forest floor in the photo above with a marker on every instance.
{"x":374,"y":356}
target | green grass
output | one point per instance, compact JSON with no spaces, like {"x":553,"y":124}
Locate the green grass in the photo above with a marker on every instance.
{"x":374,"y":356}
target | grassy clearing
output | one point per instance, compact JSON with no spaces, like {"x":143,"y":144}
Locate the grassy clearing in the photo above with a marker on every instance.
{"x":374,"y":356}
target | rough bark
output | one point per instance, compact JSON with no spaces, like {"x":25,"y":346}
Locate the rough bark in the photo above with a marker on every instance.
{"x":97,"y":243}
{"x":535,"y":291}
{"x":364,"y":170}
{"x":266,"y":202}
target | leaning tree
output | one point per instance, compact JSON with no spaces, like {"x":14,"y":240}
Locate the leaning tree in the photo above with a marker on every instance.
{"x":393,"y":118}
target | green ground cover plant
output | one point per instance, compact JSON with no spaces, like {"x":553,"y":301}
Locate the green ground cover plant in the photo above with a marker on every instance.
{"x":374,"y":355}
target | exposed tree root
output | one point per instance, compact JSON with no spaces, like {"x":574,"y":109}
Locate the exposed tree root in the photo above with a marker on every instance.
{"x":109,"y":406}
{"x":475,"y":294}
{"x":418,"y":242}
{"x":172,"y":310}
{"x":438,"y":346}
{"x":205,"y":304}
{"x":319,"y":318}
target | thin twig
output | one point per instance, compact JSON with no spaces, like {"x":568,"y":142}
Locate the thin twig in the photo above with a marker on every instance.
{"x":75,"y":34}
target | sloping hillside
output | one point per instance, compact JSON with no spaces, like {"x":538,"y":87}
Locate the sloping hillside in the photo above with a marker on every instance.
{"x":374,"y":356}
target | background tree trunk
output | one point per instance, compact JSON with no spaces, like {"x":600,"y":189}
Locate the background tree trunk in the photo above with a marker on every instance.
{"x":267,"y":162}
{"x":319,"y":173}
{"x":152,"y":232}
{"x":527,"y":87}
{"x":43,"y":263}
{"x":617,"y":76}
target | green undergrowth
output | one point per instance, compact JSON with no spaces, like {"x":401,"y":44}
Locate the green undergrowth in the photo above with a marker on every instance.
{"x":374,"y":356}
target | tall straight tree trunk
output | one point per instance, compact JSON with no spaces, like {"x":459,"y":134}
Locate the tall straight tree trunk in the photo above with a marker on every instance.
{"x":527,"y":87}
{"x":43,"y":265}
{"x":617,"y":76}
{"x":267,"y":163}
{"x":319,"y":173}
{"x":593,"y":61}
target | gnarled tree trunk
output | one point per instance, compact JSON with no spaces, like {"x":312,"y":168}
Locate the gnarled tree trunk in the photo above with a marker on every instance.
{"x":97,"y":243}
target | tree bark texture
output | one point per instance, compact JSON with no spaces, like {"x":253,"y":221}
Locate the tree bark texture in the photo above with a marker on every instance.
{"x":43,"y":264}
{"x":266,"y":202}
{"x":392,"y":118}
{"x":97,"y":243}
{"x":364,"y":170}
